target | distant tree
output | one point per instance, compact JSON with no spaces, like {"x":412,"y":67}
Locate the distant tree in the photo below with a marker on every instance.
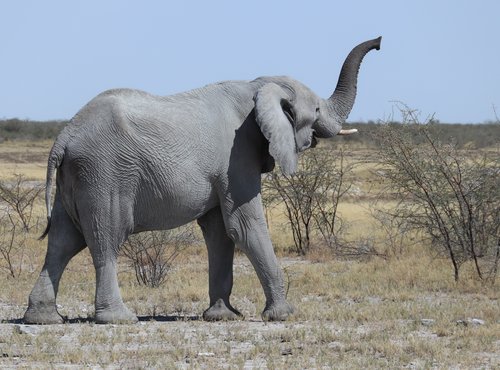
{"x":16,"y":129}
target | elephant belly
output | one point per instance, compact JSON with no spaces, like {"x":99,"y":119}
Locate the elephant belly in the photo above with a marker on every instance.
{"x":161,"y":185}
{"x":172,"y":206}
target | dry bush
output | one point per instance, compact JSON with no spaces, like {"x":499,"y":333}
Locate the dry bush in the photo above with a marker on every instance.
{"x":12,"y":244}
{"x":152,"y":253}
{"x":397,"y":236}
{"x":311,"y":197}
{"x":17,"y":201}
{"x":450,"y":196}
{"x":19,"y":196}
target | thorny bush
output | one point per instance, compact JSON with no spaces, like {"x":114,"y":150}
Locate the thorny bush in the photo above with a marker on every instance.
{"x":17,"y":201}
{"x":311,"y":196}
{"x":447,"y":195}
{"x":152,"y":253}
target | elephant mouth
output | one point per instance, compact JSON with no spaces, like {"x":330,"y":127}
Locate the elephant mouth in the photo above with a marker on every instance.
{"x":314,"y":140}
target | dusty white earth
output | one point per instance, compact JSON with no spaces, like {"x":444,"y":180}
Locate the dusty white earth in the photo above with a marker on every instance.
{"x":182,"y":340}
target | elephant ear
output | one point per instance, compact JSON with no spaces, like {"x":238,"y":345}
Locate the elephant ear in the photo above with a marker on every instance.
{"x":270,"y":101}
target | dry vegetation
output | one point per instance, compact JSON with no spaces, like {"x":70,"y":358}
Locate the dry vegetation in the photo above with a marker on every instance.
{"x":401,"y":311}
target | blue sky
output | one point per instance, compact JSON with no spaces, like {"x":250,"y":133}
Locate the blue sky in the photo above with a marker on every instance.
{"x":441,"y":57}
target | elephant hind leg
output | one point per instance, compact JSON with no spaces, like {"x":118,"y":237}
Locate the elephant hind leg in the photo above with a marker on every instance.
{"x":220,"y":266}
{"x":105,"y":229}
{"x":64,"y":242}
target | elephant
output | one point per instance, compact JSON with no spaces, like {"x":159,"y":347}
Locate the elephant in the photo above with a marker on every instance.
{"x":130,"y":161}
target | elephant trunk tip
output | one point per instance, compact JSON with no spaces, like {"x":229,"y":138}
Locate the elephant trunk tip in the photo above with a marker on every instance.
{"x":340,"y":103}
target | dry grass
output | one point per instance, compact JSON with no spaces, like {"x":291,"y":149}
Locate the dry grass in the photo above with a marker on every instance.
{"x":350,"y":314}
{"x":27,"y":158}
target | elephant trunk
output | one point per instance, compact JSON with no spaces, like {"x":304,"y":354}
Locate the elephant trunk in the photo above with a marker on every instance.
{"x":339,"y":105}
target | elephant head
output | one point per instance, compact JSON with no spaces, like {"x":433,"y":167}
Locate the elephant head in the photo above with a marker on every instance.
{"x":291,"y":117}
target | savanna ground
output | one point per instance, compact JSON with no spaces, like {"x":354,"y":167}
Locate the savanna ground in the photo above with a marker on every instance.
{"x":400,"y":312}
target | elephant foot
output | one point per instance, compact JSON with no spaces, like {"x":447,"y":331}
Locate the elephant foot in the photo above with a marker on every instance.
{"x":42,"y":314}
{"x":120,"y":315}
{"x":220,"y":312}
{"x":277,"y":311}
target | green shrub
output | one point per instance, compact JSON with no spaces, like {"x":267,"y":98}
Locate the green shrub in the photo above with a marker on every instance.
{"x":16,"y":129}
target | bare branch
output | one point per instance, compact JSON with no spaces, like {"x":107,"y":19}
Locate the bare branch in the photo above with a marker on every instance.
{"x":444,"y":191}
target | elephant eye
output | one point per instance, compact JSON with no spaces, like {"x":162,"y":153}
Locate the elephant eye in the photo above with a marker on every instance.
{"x":317,"y":111}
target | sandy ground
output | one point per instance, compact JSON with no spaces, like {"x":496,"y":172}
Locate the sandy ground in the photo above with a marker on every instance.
{"x":357,"y":338}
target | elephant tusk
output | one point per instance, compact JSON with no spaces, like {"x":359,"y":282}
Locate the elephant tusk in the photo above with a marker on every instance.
{"x":348,"y":132}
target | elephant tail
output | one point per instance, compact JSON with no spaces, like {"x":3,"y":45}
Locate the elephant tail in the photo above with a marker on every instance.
{"x":55,"y":159}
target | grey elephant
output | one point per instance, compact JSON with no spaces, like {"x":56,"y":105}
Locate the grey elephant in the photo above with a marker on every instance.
{"x":129,"y":162}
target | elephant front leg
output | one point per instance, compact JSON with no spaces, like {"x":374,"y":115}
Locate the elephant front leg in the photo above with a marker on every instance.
{"x":109,"y":306}
{"x":247,"y":227}
{"x":220,"y":267}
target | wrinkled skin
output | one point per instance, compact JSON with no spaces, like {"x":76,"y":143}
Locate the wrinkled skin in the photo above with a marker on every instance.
{"x":130,"y":161}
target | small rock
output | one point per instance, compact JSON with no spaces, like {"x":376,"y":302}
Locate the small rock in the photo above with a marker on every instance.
{"x":286,"y":352}
{"x":27,"y":329}
{"x":474,"y":321}
{"x":336,"y":345}
{"x":470,"y":321}
{"x":206,"y":354}
{"x":427,"y":322}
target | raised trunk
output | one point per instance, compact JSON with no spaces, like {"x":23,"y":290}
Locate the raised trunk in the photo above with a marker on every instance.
{"x":339,"y":105}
